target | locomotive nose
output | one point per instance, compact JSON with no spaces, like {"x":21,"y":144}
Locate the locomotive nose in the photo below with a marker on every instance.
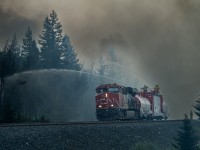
{"x":105,"y":95}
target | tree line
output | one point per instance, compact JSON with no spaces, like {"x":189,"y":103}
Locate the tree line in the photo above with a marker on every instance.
{"x":56,"y":50}
{"x":53,"y":50}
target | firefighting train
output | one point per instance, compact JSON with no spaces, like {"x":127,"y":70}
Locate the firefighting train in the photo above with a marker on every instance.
{"x":116,"y":102}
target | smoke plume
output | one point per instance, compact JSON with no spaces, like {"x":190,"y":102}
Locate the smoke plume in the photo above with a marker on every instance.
{"x":156,"y":40}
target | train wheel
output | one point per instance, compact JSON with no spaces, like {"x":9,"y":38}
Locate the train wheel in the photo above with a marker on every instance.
{"x":124,"y":114}
{"x":150,"y":117}
{"x":138,"y":115}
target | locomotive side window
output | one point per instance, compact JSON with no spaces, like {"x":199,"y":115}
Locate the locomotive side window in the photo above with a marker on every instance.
{"x":114,"y":90}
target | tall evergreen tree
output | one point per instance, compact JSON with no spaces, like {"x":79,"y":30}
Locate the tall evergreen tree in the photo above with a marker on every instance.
{"x":9,"y":64}
{"x":50,"y":41}
{"x":69,"y":58}
{"x":11,"y":57}
{"x":91,"y":68}
{"x":102,"y":66}
{"x":30,"y":52}
{"x":197,"y":107}
{"x":1,"y":80}
{"x":7,"y":113}
{"x":2,"y":73}
{"x":113,"y":67}
{"x":187,"y":138}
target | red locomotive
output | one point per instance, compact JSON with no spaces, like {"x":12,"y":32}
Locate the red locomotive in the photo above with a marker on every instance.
{"x":114,"y":102}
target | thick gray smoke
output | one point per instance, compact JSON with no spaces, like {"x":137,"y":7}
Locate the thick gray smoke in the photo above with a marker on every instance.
{"x":156,"y":40}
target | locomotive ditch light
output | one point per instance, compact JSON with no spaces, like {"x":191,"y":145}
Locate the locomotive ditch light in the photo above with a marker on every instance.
{"x":112,"y":105}
{"x":99,"y":106}
{"x":106,"y":94}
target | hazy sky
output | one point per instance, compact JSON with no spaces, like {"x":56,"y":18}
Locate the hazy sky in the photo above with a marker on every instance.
{"x":157,"y":39}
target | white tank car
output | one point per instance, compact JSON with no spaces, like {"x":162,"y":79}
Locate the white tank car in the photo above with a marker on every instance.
{"x":145,"y":106}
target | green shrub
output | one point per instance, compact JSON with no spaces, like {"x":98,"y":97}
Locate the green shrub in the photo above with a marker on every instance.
{"x":187,"y":138}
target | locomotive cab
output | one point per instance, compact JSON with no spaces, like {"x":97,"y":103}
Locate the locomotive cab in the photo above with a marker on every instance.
{"x":107,"y":96}
{"x":108,"y":101}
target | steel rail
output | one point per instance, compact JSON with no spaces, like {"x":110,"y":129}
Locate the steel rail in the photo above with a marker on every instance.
{"x":85,"y":123}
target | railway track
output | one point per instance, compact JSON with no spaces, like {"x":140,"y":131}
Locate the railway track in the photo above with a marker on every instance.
{"x":89,"y":134}
{"x":86,"y":123}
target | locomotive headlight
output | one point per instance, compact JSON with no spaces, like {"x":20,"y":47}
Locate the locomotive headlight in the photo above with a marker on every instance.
{"x":112,"y":105}
{"x":106,"y":94}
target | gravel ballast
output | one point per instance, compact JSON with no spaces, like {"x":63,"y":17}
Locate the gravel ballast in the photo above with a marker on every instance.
{"x":90,"y":136}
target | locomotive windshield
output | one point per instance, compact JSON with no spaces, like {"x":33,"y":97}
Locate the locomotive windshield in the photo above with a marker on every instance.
{"x":103,"y":90}
{"x":114,"y":90}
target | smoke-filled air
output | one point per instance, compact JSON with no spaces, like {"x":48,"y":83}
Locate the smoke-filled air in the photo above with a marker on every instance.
{"x":128,"y":42}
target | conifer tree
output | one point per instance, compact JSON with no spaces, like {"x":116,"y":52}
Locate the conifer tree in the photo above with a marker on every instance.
{"x":30,"y":52}
{"x":113,"y":61}
{"x":1,"y":80}
{"x":69,"y":56}
{"x":91,"y":68}
{"x":2,"y":72}
{"x":197,"y":107}
{"x":186,"y":138}
{"x":113,"y":67}
{"x":50,"y":41}
{"x":102,"y":66}
{"x":11,"y":56}
{"x":7,"y":112}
